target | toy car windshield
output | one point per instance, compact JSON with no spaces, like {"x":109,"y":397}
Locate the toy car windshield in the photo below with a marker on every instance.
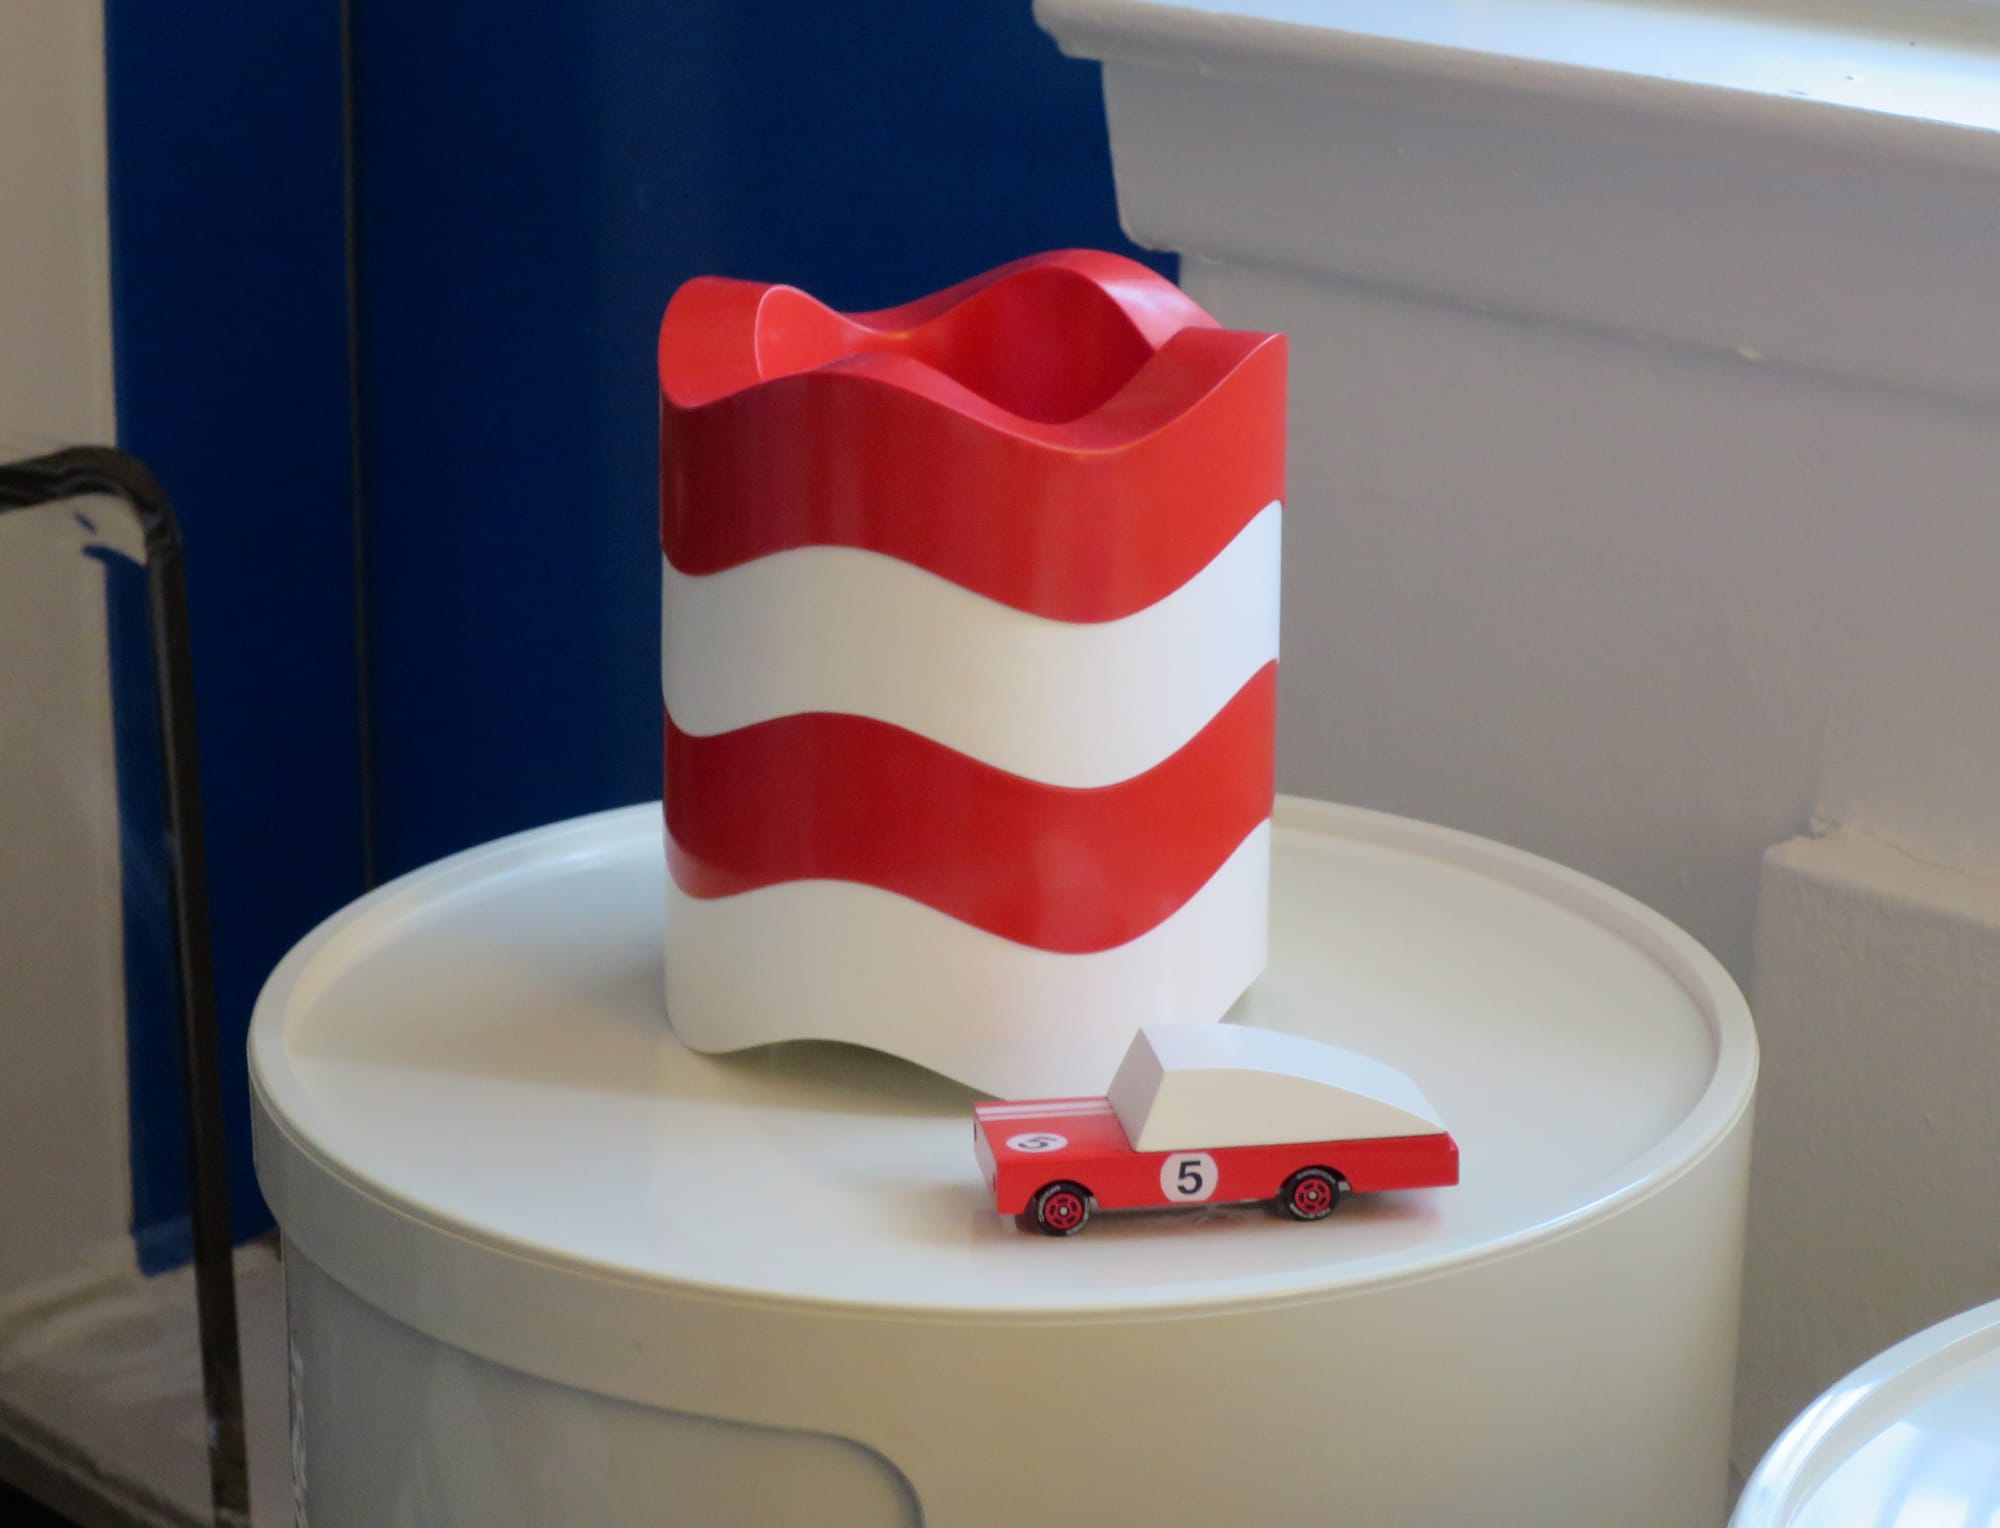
{"x":1209,"y":1085}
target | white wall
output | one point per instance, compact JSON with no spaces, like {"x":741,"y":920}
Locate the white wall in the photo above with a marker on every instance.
{"x":1874,"y":1198}
{"x":64,"y":1194}
{"x":1652,"y":613}
{"x":55,"y":305}
{"x":1645,"y":512}
{"x":1645,"y":611}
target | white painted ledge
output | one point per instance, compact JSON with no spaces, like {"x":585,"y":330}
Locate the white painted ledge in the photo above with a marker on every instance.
{"x":1873,"y":1195}
{"x":1923,"y":63}
{"x":1784,"y":185}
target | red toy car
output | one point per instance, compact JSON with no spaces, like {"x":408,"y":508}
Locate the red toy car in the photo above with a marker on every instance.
{"x":1212,"y":1113}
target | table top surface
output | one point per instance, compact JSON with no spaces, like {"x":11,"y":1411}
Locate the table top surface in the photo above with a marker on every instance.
{"x":484,"y":1046}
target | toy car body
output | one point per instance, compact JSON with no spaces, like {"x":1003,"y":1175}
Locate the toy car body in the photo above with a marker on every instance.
{"x":1213,"y":1113}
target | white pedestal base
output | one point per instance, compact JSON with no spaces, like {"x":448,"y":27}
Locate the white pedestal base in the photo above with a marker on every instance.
{"x":550,"y":1267}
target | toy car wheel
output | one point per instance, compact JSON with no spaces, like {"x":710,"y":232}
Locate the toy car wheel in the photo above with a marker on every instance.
{"x":1061,"y":1209}
{"x":1310,"y":1194}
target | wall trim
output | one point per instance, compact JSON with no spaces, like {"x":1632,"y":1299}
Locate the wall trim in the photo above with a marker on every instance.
{"x":1824,"y":223}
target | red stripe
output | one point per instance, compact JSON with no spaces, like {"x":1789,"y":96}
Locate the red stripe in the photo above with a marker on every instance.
{"x":832,"y":797}
{"x":940,"y":434}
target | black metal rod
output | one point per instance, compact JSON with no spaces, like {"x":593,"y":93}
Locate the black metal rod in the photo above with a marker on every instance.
{"x":100,"y":470}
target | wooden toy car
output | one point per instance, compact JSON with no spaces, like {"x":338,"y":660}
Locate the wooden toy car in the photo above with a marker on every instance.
{"x":1212,"y":1113}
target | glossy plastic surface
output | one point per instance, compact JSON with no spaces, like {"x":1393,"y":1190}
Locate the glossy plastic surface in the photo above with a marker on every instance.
{"x":394,"y":1429}
{"x":1081,"y":1141}
{"x":1232,"y":1085}
{"x":840,"y":960}
{"x":972,"y":602}
{"x":473,"y":1117}
{"x":843,"y":798}
{"x":1911,"y":1439}
{"x":1069,"y":435}
{"x":1061,"y":703}
{"x":483,"y":1044}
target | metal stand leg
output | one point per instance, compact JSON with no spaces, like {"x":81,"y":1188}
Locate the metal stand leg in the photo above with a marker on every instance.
{"x":100,"y":470}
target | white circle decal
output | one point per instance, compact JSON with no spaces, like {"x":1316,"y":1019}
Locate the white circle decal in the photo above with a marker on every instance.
{"x":1188,"y":1176}
{"x":1037,"y":1140}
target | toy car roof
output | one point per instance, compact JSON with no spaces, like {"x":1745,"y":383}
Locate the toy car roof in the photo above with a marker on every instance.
{"x":1187,"y":1087}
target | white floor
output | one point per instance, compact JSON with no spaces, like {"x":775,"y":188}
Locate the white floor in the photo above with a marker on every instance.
{"x":104,"y":1388}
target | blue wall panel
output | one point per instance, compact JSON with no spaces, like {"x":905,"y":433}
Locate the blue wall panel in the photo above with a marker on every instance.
{"x":228,"y":281}
{"x":534,"y":182}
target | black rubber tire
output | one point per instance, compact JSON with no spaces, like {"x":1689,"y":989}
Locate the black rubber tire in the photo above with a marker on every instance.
{"x":1060,"y":1209}
{"x":1289,"y":1197}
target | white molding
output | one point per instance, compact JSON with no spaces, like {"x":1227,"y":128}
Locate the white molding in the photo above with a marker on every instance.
{"x":1709,"y":180}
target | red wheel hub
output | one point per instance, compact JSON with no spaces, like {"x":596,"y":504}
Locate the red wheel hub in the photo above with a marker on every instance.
{"x":1063,"y":1210}
{"x":1312,"y":1195}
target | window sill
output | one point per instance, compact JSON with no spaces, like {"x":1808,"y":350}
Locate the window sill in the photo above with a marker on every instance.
{"x":1791,"y":186}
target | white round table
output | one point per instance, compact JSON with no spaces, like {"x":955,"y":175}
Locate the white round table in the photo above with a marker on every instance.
{"x":545,"y":1266}
{"x":1911,"y":1439}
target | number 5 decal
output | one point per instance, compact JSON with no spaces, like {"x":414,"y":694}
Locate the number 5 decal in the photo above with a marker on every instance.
{"x":1188,"y":1176}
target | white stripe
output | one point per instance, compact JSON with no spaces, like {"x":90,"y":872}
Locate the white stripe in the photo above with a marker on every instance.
{"x":1057,"y":1105}
{"x":1038,"y":1111}
{"x":831,"y":960}
{"x":1062,"y":702}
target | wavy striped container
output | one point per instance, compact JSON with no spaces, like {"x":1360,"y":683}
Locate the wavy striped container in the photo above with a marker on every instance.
{"x":969,"y":659}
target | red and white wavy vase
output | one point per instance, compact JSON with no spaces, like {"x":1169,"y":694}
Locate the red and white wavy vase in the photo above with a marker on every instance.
{"x":969,"y":660}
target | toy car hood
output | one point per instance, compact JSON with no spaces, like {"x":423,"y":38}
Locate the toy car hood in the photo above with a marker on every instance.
{"x":1189,"y":1087}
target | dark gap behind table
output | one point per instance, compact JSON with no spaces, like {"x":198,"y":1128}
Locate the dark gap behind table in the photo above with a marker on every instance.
{"x":19,"y":1511}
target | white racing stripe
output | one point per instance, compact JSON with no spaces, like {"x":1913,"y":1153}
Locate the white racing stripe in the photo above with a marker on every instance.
{"x":1040,"y":1111}
{"x":834,"y":960}
{"x":1064,"y":703}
